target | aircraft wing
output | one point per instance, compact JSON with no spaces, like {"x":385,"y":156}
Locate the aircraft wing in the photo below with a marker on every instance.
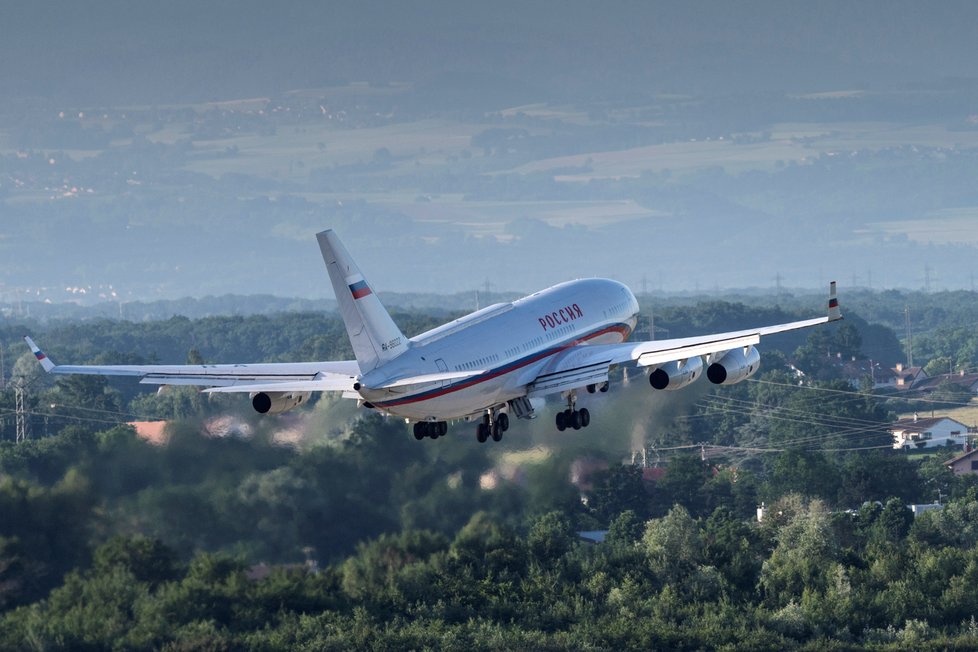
{"x":579,"y":366}
{"x":285,"y":376}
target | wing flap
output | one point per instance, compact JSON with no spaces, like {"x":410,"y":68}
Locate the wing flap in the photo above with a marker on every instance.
{"x":558,"y":381}
{"x":684,"y":351}
{"x":330,"y":384}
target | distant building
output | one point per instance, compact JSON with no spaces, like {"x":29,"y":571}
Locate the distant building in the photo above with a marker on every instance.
{"x":925,"y":507}
{"x":593,"y":536}
{"x":907,"y":377}
{"x":961,"y":379}
{"x":967,"y":462}
{"x":153,"y":432}
{"x":915,"y":432}
{"x":856,"y":370}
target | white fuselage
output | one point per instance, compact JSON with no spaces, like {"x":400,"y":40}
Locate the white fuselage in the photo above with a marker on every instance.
{"x":506,"y":346}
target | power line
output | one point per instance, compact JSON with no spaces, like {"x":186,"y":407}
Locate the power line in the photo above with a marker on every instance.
{"x":879,"y":397}
{"x":843,"y":429}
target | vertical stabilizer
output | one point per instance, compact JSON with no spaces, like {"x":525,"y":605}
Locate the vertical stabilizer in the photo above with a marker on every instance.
{"x":374,"y":335}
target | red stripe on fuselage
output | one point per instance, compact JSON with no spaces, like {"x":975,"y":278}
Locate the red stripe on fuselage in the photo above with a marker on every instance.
{"x":505,"y":369}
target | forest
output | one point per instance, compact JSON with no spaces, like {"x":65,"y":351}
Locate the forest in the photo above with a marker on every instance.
{"x":331,"y":528}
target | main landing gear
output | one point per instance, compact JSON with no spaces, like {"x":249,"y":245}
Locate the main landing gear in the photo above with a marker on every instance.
{"x":493,"y":424}
{"x":433,"y":429}
{"x":572,"y":417}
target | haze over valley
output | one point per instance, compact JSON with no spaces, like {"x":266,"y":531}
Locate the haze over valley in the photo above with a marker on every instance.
{"x":154,"y":152}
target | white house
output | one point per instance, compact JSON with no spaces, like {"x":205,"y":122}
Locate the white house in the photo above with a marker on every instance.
{"x":913,"y":432}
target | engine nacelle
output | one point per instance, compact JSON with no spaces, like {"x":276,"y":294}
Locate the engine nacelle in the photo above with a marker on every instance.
{"x":735,"y":365}
{"x":676,"y":374}
{"x":277,"y":402}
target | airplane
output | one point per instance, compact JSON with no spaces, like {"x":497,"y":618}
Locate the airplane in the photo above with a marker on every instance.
{"x":484,"y":367}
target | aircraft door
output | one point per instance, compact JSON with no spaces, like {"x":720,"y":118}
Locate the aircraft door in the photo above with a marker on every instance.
{"x":442,"y":367}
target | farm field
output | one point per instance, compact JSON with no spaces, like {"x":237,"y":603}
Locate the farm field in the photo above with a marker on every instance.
{"x":967,"y":414}
{"x":945,"y":227}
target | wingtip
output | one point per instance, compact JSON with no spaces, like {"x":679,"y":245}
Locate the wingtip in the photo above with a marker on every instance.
{"x":835,"y":313}
{"x":39,"y":354}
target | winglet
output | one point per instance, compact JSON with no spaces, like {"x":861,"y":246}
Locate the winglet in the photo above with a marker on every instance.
{"x":834,"y":312}
{"x":39,"y":354}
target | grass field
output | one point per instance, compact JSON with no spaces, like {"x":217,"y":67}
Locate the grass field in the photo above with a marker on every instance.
{"x":293,"y":151}
{"x":952,"y":226}
{"x":788,"y":142}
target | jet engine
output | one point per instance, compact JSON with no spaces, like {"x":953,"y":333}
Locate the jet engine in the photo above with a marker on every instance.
{"x":277,"y":402}
{"x":676,"y":374}
{"x":735,"y":365}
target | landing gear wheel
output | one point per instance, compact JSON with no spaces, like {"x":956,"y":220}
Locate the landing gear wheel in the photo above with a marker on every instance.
{"x":576,"y":420}
{"x":482,"y":433}
{"x":503,"y":420}
{"x":442,"y":428}
{"x":591,"y":388}
{"x":497,"y":431}
{"x":419,"y":430}
{"x":604,"y":388}
{"x":561,"y":424}
{"x":433,"y":430}
{"x":585,"y":417}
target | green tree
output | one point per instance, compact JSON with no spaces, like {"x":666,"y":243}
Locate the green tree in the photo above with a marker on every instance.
{"x":672,"y":545}
{"x":625,"y":530}
{"x":617,"y":489}
{"x":683,"y":483}
{"x":806,"y":547}
{"x":804,"y":472}
{"x":371,"y":574}
{"x":550,"y":537}
{"x":893,"y":523}
{"x":734,"y":548}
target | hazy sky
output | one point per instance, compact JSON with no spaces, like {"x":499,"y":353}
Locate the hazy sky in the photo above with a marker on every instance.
{"x":124,"y":50}
{"x":189,"y":205}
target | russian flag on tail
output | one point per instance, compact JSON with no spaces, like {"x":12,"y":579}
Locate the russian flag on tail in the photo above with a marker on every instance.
{"x":360,"y":289}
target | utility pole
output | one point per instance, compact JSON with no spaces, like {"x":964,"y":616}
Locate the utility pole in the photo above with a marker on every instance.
{"x":21,"y":414}
{"x":906,"y":318}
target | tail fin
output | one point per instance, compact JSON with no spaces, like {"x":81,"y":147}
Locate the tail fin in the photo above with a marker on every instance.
{"x":375,"y":337}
